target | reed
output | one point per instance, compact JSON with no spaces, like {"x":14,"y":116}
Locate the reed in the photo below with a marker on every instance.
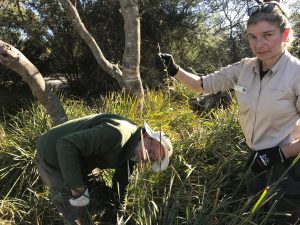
{"x":205,"y":183}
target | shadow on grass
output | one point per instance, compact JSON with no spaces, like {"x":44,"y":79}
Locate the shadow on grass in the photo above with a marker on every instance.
{"x":12,"y":99}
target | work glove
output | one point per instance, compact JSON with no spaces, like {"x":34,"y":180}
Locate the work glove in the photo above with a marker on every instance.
{"x":166,"y":61}
{"x":82,"y":200}
{"x":263,"y":159}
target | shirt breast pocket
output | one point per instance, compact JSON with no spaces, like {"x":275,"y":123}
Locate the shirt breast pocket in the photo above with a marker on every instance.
{"x":243,"y":96}
{"x":280,"y":101}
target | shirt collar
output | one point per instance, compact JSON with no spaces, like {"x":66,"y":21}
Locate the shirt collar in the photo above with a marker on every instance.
{"x":283,"y":59}
{"x":280,"y":62}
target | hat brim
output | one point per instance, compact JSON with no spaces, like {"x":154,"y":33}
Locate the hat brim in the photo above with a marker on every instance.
{"x":161,"y":165}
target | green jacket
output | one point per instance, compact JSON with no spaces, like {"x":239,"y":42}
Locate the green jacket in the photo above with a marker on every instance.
{"x":97,"y":141}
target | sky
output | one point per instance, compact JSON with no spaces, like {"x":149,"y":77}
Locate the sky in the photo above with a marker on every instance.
{"x":290,"y":3}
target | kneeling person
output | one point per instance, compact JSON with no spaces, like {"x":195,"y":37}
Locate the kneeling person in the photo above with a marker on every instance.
{"x":67,"y":153}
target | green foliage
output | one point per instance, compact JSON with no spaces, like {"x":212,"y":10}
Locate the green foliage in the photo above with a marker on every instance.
{"x":21,"y":28}
{"x":200,"y":186}
{"x":203,"y":185}
{"x":41,"y":30}
{"x":295,"y":48}
{"x":197,"y":33}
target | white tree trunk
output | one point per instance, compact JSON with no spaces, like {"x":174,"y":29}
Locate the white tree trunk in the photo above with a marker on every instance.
{"x":13,"y":59}
{"x":132,"y":56}
{"x":131,"y":81}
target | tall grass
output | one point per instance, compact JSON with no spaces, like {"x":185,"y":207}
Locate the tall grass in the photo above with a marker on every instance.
{"x":203,"y":185}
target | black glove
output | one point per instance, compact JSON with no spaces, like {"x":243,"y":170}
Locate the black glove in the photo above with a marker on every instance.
{"x":164,"y":60}
{"x":263,"y":159}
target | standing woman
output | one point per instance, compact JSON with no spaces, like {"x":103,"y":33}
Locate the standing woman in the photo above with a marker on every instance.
{"x":267,"y":88}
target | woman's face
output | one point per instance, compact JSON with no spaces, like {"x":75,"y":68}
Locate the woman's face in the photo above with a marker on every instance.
{"x":266,"y":41}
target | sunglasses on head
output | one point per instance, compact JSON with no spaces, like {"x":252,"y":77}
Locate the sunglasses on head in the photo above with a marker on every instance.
{"x":264,"y":8}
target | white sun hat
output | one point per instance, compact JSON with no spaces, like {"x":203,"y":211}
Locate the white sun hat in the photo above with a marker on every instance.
{"x":160,"y":136}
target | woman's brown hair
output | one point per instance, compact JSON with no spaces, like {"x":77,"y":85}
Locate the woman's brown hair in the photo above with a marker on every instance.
{"x":277,"y":16}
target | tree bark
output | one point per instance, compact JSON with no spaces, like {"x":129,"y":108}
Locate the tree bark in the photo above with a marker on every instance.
{"x":131,"y":81}
{"x":13,"y":59}
{"x":132,"y":56}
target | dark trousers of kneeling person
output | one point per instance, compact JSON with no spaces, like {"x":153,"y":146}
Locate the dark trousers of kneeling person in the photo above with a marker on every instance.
{"x":287,"y":197}
{"x":59,"y":194}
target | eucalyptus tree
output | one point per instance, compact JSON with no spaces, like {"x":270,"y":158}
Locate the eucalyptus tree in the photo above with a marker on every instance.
{"x":21,"y":28}
{"x":129,"y":76}
{"x":231,"y":16}
{"x":13,"y":59}
{"x":202,"y":34}
{"x":295,"y":17}
{"x":64,"y":47}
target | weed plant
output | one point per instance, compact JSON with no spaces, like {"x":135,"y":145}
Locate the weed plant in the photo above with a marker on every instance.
{"x":203,"y":185}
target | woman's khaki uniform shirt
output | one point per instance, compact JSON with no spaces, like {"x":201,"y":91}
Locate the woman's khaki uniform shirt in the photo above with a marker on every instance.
{"x":268,"y":108}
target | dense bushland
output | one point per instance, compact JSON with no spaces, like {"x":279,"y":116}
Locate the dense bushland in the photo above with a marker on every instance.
{"x":204,"y":185}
